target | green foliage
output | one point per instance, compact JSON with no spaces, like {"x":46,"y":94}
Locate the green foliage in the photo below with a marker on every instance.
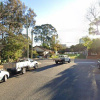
{"x":35,"y":54}
{"x":45,"y":45}
{"x":87,"y":42}
{"x":44,"y":34}
{"x":81,"y":56}
{"x":72,"y":56}
{"x":93,"y":16}
{"x":95,"y":47}
{"x":77,"y":56}
{"x":13,"y":48}
{"x":54,"y":43}
{"x":13,"y":15}
{"x":76,"y":48}
{"x":54,"y":56}
{"x":91,"y":30}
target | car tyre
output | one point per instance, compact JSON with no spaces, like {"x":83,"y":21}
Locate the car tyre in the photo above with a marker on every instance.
{"x":23,"y":70}
{"x":56,"y":62}
{"x":69,"y":61}
{"x":36,"y":66}
{"x":5,"y":78}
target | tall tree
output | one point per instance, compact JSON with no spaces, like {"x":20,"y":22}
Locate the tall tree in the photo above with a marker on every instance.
{"x":13,"y":15}
{"x":12,"y":19}
{"x":44,"y":33}
{"x":94,"y":18}
{"x":87,"y":43}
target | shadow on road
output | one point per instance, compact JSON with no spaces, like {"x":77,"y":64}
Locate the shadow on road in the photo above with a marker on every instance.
{"x":34,"y":70}
{"x":75,"y":83}
{"x":46,"y":67}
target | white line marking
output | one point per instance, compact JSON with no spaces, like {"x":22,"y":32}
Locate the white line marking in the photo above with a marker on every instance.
{"x":84,"y":62}
{"x":93,"y":66}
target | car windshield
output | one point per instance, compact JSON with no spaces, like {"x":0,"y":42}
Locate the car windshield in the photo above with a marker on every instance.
{"x":61,"y":56}
{"x":21,"y":60}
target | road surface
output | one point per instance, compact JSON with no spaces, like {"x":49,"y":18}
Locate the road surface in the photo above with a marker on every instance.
{"x":78,"y":80}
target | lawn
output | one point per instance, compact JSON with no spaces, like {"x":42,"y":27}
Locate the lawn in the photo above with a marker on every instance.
{"x":77,"y":56}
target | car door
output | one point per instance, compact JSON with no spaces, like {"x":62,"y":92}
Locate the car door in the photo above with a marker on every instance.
{"x":31,"y":63}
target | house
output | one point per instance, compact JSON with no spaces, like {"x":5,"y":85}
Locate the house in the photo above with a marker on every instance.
{"x":42,"y":51}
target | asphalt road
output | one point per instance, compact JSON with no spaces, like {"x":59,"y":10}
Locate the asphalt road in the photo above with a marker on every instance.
{"x":78,"y":80}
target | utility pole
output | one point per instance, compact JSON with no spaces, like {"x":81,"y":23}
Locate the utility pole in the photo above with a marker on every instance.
{"x":27,"y":36}
{"x":32,"y":45}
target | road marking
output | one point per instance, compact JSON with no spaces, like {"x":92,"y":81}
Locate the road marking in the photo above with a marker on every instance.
{"x":93,"y":66}
{"x":85,"y":62}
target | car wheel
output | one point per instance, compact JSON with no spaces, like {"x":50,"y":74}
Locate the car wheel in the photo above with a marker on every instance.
{"x":36,"y":66}
{"x":56,"y":62}
{"x":5,"y":78}
{"x":69,"y":61}
{"x":23,"y":70}
{"x":98,"y":66}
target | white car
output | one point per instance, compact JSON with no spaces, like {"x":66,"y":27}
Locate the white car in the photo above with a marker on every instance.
{"x":4,"y":75}
{"x":21,"y":66}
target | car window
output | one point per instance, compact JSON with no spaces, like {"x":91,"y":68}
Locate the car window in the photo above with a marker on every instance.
{"x":21,"y":60}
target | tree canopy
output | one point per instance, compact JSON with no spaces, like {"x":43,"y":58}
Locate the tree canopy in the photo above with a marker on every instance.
{"x":13,"y":18}
{"x":93,"y":16}
{"x":87,"y":42}
{"x":95,"y":46}
{"x":46,"y":34}
{"x":76,"y":48}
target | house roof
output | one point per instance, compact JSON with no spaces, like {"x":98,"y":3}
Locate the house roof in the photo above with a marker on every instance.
{"x":40,"y":49}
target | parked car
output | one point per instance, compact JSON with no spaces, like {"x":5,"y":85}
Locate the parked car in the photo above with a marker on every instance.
{"x":4,"y":75}
{"x":98,"y":64}
{"x":62,"y":59}
{"x":39,"y":57}
{"x":21,"y":66}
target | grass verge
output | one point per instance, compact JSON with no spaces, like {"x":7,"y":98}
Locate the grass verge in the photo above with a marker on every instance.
{"x":77,"y":56}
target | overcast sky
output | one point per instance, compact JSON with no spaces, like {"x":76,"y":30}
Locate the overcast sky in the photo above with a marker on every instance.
{"x":67,"y":16}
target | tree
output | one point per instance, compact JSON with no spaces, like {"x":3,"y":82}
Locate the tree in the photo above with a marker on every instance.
{"x":87,"y":42}
{"x":95,"y":47}
{"x":14,"y":47}
{"x":35,"y":54}
{"x":44,"y":34}
{"x":53,"y":43}
{"x":94,"y":18}
{"x":76,"y":48}
{"x":12,"y":19}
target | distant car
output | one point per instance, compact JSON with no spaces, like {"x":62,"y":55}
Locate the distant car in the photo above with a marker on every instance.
{"x":62,"y":59}
{"x":98,"y":64}
{"x":4,"y":75}
{"x":40,"y":57}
